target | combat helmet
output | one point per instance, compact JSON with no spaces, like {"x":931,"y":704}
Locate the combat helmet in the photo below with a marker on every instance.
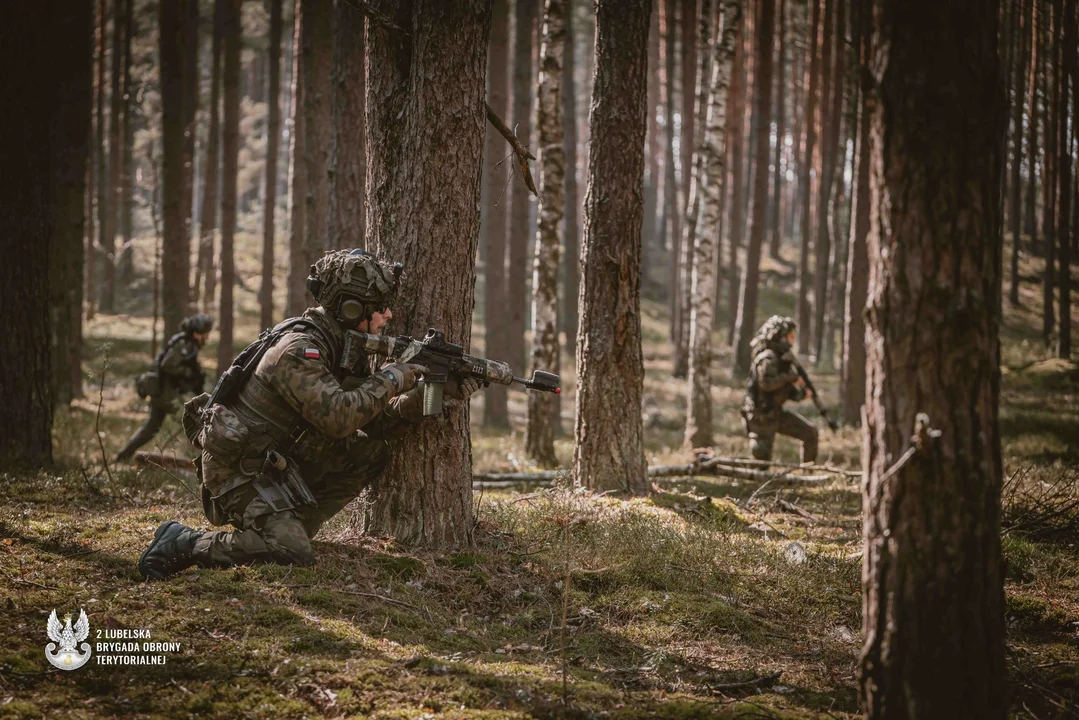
{"x":353,"y":284}
{"x":773,"y":334}
{"x":198,"y":323}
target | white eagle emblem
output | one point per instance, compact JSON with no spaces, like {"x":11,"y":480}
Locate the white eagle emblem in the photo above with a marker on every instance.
{"x":67,"y":657}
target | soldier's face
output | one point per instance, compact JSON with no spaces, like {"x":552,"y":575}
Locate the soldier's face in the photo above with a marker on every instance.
{"x":791,"y":336}
{"x":201,"y":338}
{"x":378,"y":321}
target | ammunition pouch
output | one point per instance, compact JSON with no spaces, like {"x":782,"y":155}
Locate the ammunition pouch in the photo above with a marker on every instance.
{"x":280,"y":484}
{"x":223,"y":435}
{"x":192,"y":419}
{"x":148,"y":384}
{"x":309,"y":445}
{"x":211,"y":508}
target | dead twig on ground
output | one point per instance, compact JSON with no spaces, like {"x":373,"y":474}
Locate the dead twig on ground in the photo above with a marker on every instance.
{"x":762,"y":681}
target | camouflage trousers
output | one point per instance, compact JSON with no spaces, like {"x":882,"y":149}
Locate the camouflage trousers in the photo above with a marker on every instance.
{"x":263,"y":535}
{"x":159,"y":410}
{"x":762,"y":433}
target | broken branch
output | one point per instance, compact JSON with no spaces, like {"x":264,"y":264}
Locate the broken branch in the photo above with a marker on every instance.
{"x":523,"y":156}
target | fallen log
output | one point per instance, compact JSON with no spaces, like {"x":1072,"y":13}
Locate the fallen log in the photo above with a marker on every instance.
{"x":711,"y":468}
{"x":166,"y":461}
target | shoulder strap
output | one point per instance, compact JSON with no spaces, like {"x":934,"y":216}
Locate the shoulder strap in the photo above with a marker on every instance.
{"x":165,"y":349}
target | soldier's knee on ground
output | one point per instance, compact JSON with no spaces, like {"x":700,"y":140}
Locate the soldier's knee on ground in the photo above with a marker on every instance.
{"x":287,"y":541}
{"x":760,"y":446}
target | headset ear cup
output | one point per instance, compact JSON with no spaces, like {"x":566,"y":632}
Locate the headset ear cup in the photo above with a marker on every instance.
{"x":352,"y":310}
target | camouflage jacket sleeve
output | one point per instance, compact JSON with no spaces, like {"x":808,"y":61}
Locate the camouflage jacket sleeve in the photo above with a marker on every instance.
{"x":297,"y":367}
{"x":771,"y":375}
{"x":173,"y":365}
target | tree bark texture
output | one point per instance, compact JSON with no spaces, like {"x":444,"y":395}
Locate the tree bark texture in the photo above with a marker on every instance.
{"x":609,"y":453}
{"x":1065,"y":229}
{"x":1017,"y":149}
{"x":174,"y":261}
{"x":190,"y":12}
{"x":672,"y":227}
{"x":805,"y":185}
{"x":823,"y":247}
{"x":781,"y":131}
{"x":539,"y":437}
{"x":571,"y":243}
{"x":273,"y":143}
{"x":72,"y":32}
{"x":317,"y":107}
{"x":834,"y":201}
{"x":230,"y":151}
{"x":211,"y":166}
{"x":933,"y":598}
{"x":652,"y":280}
{"x":1049,"y":184}
{"x":1029,"y":219}
{"x":703,"y":281}
{"x":98,"y":190}
{"x":111,"y":208}
{"x":497,"y":175}
{"x":347,"y":212}
{"x":520,"y":197}
{"x":737,"y":143}
{"x":125,"y":265}
{"x":300,"y":257}
{"x":425,"y":136}
{"x":747,"y":297}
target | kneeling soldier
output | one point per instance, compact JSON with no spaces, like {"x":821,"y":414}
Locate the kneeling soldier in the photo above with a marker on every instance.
{"x":773,"y":380}
{"x":301,"y":437}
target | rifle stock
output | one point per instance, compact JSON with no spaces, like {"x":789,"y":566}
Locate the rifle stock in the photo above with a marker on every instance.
{"x":813,"y":391}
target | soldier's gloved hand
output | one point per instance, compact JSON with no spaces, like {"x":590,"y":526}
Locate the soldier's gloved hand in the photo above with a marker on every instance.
{"x":459,"y":389}
{"x":403,"y":375}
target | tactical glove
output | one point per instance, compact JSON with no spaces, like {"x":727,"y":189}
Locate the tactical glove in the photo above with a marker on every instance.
{"x":403,"y":375}
{"x":461,"y":389}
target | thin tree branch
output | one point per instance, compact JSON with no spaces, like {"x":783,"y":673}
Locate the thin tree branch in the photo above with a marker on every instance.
{"x":523,"y":156}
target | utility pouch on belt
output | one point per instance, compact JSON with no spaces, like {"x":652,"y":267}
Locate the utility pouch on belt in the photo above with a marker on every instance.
{"x":192,"y":418}
{"x":223,"y":435}
{"x":148,"y":384}
{"x":281,"y":485}
{"x":211,"y":508}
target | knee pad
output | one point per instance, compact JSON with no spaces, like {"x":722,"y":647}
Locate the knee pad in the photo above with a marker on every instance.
{"x":287,"y":541}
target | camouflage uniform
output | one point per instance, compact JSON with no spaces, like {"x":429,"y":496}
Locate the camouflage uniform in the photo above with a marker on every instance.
{"x":297,"y":391}
{"x":771,"y":384}
{"x":178,"y":368}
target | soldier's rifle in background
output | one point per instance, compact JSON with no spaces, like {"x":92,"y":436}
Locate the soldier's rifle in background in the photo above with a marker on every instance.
{"x":813,"y":392}
{"x":442,"y":360}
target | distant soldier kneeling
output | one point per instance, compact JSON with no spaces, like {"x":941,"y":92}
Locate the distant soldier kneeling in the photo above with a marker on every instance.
{"x":773,"y":380}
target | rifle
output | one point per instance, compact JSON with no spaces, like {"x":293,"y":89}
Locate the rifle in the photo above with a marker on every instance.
{"x":441,"y":359}
{"x":813,"y":391}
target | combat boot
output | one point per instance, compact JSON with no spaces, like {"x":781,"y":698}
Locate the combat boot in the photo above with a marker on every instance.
{"x":171,"y":551}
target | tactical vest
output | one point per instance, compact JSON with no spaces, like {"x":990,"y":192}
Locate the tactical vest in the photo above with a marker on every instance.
{"x":759,"y":401}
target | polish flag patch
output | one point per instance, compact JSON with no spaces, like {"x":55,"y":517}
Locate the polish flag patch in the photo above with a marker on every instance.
{"x":311,"y":354}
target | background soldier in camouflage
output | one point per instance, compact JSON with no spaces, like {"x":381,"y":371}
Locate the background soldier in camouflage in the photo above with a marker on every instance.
{"x":774,"y":380}
{"x":178,"y":370}
{"x":301,"y":429}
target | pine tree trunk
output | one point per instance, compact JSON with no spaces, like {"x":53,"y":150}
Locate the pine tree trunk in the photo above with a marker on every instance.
{"x":210,"y":166}
{"x":1029,"y":217}
{"x":736,"y":141}
{"x":71,"y":29}
{"x":653,"y":283}
{"x":933,"y":600}
{"x":1017,"y":151}
{"x":498,"y":173}
{"x":520,"y":197}
{"x":712,"y":150}
{"x":539,"y":438}
{"x":317,"y":108}
{"x":113,"y":189}
{"x":781,"y":132}
{"x":98,"y":189}
{"x":672,"y":228}
{"x":571,"y":278}
{"x":174,"y":261}
{"x":805,"y":184}
{"x":273,"y":143}
{"x":190,"y":109}
{"x":826,"y":167}
{"x":1068,"y":67}
{"x":747,"y":299}
{"x":126,"y":263}
{"x":693,"y":103}
{"x":1049,"y":185}
{"x":299,"y":258}
{"x":231,"y":40}
{"x":831,"y":203}
{"x":609,"y":453}
{"x":425,"y":140}
{"x":347,"y":218}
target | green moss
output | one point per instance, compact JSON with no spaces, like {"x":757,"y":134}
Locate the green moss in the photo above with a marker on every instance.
{"x":1037,"y":615}
{"x":399,"y":566}
{"x":275,"y":616}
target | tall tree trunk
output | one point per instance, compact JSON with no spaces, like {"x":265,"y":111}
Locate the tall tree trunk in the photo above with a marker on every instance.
{"x":174,"y":262}
{"x":571,"y":282}
{"x":1036,"y":51}
{"x":671,"y":220}
{"x":317,"y":108}
{"x":190,"y":109}
{"x":112,"y":189}
{"x":824,"y":186}
{"x":805,"y":185}
{"x":747,"y":299}
{"x":852,"y":380}
{"x":98,"y":187}
{"x":71,"y":30}
{"x":498,"y":172}
{"x":210,"y":167}
{"x":832,"y":202}
{"x":737,"y":143}
{"x":699,"y":415}
{"x":693,"y":106}
{"x":781,"y":132}
{"x":609,"y":453}
{"x":347,"y":215}
{"x":654,"y":285}
{"x":40,"y":174}
{"x":933,"y":598}
{"x":126,"y":264}
{"x":1068,"y":67}
{"x":701,"y":82}
{"x":425,"y":140}
{"x":1017,"y":150}
{"x":273,"y":142}
{"x":520,"y":202}
{"x":231,"y":40}
{"x":1049,"y":185}
{"x":539,"y":438}
{"x":300,"y":257}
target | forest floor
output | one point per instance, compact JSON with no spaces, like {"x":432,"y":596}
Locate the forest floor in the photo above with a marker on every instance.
{"x":690,"y":603}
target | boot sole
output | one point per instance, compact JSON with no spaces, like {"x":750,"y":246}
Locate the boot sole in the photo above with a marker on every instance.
{"x":161,"y":529}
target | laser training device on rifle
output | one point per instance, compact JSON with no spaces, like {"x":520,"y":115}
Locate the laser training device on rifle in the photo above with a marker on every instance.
{"x":813,"y":391}
{"x":442,"y":359}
